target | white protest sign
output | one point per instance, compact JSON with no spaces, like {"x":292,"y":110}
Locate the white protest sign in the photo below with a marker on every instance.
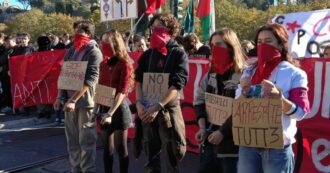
{"x":309,"y":32}
{"x":72,"y":75}
{"x":118,"y":9}
{"x":104,"y":95}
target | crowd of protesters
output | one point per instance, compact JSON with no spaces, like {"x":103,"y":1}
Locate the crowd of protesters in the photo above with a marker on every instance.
{"x":160,"y":125}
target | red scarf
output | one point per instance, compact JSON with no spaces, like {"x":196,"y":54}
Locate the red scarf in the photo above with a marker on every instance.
{"x":79,"y":41}
{"x":268,"y":59}
{"x":221,"y":60}
{"x":159,"y":37}
{"x":106,"y":51}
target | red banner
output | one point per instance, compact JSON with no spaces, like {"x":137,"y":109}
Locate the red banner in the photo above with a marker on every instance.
{"x":312,"y":149}
{"x":34,"y":77}
{"x":34,"y":81}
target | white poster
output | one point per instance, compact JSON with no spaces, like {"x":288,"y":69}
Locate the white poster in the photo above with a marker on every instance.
{"x":309,"y":32}
{"x":118,"y":9}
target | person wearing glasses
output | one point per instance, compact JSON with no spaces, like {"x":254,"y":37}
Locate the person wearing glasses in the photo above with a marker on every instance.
{"x":116,"y":120}
{"x":275,"y":76}
{"x":80,"y":128}
{"x":218,"y":152}
{"x":162,"y":122}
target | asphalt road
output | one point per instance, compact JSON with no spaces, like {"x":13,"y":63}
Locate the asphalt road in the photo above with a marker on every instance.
{"x":24,"y":146}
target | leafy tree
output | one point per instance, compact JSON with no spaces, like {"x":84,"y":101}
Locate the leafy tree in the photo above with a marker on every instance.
{"x":35,"y":22}
{"x":60,"y":7}
{"x":37,"y":3}
{"x":82,"y":11}
{"x":69,"y":9}
{"x":245,"y":21}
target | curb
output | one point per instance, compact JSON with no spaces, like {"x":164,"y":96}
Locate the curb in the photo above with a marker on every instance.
{"x":27,"y":122}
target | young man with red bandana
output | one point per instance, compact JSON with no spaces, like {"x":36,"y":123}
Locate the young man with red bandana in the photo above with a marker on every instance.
{"x":163,"y":56}
{"x":79,"y":121}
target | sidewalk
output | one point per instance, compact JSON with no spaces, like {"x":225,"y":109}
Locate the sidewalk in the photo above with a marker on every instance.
{"x":19,"y":121}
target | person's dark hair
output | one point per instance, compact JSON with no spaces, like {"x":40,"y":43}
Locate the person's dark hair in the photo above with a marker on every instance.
{"x":44,"y":43}
{"x":138,"y":38}
{"x":85,"y":26}
{"x":179,"y":39}
{"x":168,"y":20}
{"x":24,"y":34}
{"x":190,"y":41}
{"x":10,"y":37}
{"x":282,"y":37}
{"x":66,"y":35}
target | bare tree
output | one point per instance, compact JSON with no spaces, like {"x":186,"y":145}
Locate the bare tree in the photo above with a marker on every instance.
{"x":25,"y":3}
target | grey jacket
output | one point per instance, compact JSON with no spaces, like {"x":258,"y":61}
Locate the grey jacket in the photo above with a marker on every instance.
{"x":93,"y":55}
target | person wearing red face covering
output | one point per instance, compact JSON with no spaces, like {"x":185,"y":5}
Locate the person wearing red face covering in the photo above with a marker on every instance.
{"x":116,"y":119}
{"x":162,"y":122}
{"x":218,"y":152}
{"x":275,"y":76}
{"x":79,"y":121}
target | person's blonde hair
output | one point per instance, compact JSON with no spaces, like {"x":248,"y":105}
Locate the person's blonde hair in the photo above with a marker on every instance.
{"x":118,"y":47}
{"x":234,"y":47}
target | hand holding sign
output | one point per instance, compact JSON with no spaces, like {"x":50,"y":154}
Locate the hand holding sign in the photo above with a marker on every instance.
{"x":269,"y":89}
{"x":151,"y":114}
{"x":215,"y":137}
{"x":200,"y":135}
{"x":245,"y":83}
{"x":106,"y":119}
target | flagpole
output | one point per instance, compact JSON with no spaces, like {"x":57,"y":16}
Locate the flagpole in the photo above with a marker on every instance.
{"x":133,"y":28}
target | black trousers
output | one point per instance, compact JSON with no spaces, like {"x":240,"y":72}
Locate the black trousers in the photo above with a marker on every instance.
{"x":5,"y":99}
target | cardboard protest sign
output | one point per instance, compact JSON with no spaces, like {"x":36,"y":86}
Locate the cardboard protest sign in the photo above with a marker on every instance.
{"x":105,"y":95}
{"x":258,"y":123}
{"x":72,"y":75}
{"x":155,"y":86}
{"x":218,"y":108}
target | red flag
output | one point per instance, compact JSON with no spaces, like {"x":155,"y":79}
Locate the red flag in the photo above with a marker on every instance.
{"x":153,"y":5}
{"x":203,"y":8}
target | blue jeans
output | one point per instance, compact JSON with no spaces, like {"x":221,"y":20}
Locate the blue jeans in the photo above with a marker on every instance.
{"x":260,"y":160}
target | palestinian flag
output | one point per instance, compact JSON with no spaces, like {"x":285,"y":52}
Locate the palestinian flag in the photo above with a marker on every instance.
{"x":189,"y":19}
{"x":205,"y":11}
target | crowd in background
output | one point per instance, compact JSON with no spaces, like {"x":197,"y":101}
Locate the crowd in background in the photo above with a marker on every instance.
{"x":164,"y":52}
{"x":20,"y":44}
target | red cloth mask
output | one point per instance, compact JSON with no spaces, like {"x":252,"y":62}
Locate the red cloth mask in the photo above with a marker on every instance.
{"x":268,"y":59}
{"x":79,"y":41}
{"x":159,"y":37}
{"x":221,"y":60}
{"x":106,"y":51}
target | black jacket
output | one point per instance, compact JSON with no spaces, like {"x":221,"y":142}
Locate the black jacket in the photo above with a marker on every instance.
{"x":22,"y":51}
{"x":175,"y":63}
